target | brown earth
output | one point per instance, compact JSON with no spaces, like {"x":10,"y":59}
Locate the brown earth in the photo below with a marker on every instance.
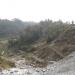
{"x":57,"y":50}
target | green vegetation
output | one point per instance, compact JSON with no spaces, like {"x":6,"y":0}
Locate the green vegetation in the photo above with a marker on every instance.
{"x":12,"y":28}
{"x":43,"y":31}
{"x":6,"y":63}
{"x":34,"y":40}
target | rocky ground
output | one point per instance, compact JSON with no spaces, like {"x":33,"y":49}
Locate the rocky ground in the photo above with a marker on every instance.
{"x":65,"y":66}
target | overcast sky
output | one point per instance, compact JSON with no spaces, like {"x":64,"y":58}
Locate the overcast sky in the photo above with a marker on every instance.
{"x":36,"y":10}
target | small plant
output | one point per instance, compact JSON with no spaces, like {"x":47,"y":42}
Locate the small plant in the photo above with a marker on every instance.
{"x":6,"y":63}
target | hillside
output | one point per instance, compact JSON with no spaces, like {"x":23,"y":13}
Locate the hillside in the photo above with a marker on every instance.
{"x":46,"y":41}
{"x":43,"y":52}
{"x":40,"y":43}
{"x":47,"y":48}
{"x":58,"y":49}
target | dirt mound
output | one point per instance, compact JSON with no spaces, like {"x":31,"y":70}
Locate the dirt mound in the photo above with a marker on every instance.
{"x":60,"y":49}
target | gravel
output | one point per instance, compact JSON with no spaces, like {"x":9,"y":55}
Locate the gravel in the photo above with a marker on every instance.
{"x":65,"y":66}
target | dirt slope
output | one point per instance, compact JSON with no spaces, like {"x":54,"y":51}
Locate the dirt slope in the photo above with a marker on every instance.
{"x":60,"y":49}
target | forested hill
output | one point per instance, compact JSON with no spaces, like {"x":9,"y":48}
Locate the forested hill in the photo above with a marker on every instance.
{"x":9,"y":28}
{"x":42,"y":41}
{"x":44,"y":31}
{"x":45,"y":41}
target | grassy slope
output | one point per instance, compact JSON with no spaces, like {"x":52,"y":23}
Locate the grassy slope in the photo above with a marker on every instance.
{"x":4,"y":63}
{"x":65,"y":45}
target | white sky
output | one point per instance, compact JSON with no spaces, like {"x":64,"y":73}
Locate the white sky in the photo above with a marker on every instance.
{"x":36,"y":10}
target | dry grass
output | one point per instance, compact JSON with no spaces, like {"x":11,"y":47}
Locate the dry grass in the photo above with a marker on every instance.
{"x":6,"y":63}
